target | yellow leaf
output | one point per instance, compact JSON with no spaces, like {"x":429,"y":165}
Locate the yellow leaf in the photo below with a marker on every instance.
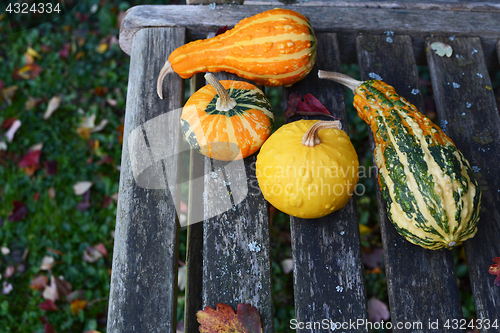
{"x":77,"y":305}
{"x":28,"y":59}
{"x":33,"y":53}
{"x":79,"y":55}
{"x":103,"y":47}
{"x":363,"y":229}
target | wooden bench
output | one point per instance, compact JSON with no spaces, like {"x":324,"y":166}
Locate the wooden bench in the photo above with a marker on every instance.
{"x":228,"y":254}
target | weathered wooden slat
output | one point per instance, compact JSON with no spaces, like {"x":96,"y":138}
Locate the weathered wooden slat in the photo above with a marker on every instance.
{"x":194,"y":245}
{"x":466,"y":106}
{"x":328,"y":275}
{"x":455,"y":5}
{"x":144,"y":277}
{"x":418,"y":280}
{"x":346,"y":22}
{"x":236,"y":253}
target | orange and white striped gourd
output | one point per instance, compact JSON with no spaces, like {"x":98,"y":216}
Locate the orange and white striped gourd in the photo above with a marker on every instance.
{"x":227,"y":120}
{"x":274,"y":48}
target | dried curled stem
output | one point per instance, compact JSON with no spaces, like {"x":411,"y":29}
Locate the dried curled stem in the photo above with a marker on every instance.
{"x":224,"y":102}
{"x":347,"y":81}
{"x":311,"y":137}
{"x":167,"y":68}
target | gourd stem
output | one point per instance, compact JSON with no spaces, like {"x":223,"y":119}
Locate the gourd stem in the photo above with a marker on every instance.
{"x":347,"y":81}
{"x":167,"y":68}
{"x":311,"y":137}
{"x":224,"y":102}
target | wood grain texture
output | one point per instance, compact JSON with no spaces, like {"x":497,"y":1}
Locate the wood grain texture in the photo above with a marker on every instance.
{"x":144,"y":276}
{"x":455,"y":5}
{"x":236,"y":254}
{"x":328,"y":274}
{"x":467,"y":108}
{"x":347,"y":22}
{"x":421,"y":283}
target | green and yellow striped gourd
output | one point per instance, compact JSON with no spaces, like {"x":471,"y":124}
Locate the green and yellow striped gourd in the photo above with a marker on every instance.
{"x":432,"y":197}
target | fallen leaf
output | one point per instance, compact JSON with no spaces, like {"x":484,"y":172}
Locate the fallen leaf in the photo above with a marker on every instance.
{"x":81,"y":187}
{"x":106,"y":201}
{"x":9,"y":93}
{"x":5,"y":250}
{"x":33,"y":53}
{"x":82,"y":17}
{"x":311,"y":106}
{"x":9,"y":271}
{"x":120,"y":134}
{"x":221,"y":30}
{"x":78,"y":305}
{"x":48,"y":328}
{"x":101,"y":248}
{"x":39,"y":282}
{"x":2,"y":84}
{"x":374,"y":258}
{"x":224,"y":320}
{"x":495,"y":270}
{"x":19,"y":212}
{"x":48,"y":305}
{"x":12,"y":130}
{"x":7,"y":288}
{"x":91,"y":254}
{"x":84,"y":204}
{"x":79,"y":55}
{"x":30,"y":159}
{"x":88,"y":123}
{"x":100,"y":127}
{"x":50,"y":167}
{"x":112,"y":102}
{"x":287,"y":266}
{"x":442,"y":49}
{"x":101,"y":91}
{"x":377,"y":310}
{"x":46,"y":48}
{"x":32,"y":103}
{"x":7,"y":123}
{"x":64,"y":53}
{"x":56,"y":289}
{"x":27,"y":72}
{"x":52,"y":106}
{"x":47,"y":263}
{"x":101,"y":48}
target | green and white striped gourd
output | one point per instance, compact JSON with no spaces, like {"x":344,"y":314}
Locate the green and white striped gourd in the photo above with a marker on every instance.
{"x":432,"y":197}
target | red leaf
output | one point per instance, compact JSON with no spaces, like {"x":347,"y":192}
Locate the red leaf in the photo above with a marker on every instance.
{"x":224,"y":320}
{"x":48,"y":328}
{"x":221,"y":30}
{"x":51,"y":167}
{"x":497,"y":281}
{"x":101,"y":91}
{"x":48,"y":305}
{"x":64,"y":53}
{"x":30,"y":159}
{"x":494,"y":269}
{"x":85,"y":203}
{"x":19,"y":211}
{"x":7,"y":123}
{"x":39,"y":282}
{"x":82,"y":17}
{"x":1,"y":85}
{"x":27,"y":72}
{"x":496,"y":260}
{"x":311,"y":106}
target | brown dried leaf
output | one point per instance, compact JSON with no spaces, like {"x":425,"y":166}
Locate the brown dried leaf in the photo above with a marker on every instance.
{"x":39,"y":282}
{"x":224,"y":320}
{"x":91,"y":254}
{"x":27,"y":72}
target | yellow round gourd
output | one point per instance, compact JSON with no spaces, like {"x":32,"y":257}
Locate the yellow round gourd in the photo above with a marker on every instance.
{"x":308,"y":175}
